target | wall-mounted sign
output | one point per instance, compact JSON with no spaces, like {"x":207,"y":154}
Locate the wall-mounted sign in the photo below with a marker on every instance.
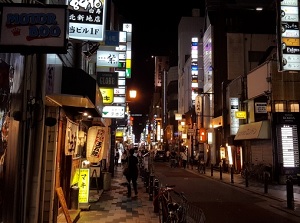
{"x":290,"y":47}
{"x":112,"y":38}
{"x":33,"y":28}
{"x":87,"y":19}
{"x":107,"y":58}
{"x":107,"y":95}
{"x":107,"y":79}
{"x":113,"y":112}
{"x":234,"y":122}
{"x":198,"y":105}
{"x":260,"y":107}
{"x":288,"y":145}
{"x":240,"y":114}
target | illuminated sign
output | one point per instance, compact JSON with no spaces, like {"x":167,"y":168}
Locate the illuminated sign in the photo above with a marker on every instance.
{"x":33,"y":29}
{"x":107,"y":58}
{"x":107,"y":79}
{"x":113,"y":112}
{"x":84,"y":186}
{"x":194,"y":68}
{"x":288,"y":144}
{"x":234,"y":122}
{"x":87,"y":19}
{"x":107,"y":95}
{"x":260,"y":107}
{"x":240,"y":115}
{"x":112,"y":38}
{"x":290,"y":48}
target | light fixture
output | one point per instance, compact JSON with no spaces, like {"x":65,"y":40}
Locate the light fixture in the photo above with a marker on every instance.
{"x":132,"y":93}
{"x":93,"y":47}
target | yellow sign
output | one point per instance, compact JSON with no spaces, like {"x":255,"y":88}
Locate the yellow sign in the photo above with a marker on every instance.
{"x":107,"y":95}
{"x":84,"y":186}
{"x":291,"y":41}
{"x":240,"y":114}
{"x":119,"y":134}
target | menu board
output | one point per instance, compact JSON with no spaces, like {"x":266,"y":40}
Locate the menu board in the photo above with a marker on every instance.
{"x":288,"y":145}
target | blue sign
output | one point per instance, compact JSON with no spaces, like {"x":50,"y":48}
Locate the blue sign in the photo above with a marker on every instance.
{"x":111,"y":38}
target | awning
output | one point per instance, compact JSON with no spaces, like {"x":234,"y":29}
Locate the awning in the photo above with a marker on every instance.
{"x":256,"y":130}
{"x":78,"y":91}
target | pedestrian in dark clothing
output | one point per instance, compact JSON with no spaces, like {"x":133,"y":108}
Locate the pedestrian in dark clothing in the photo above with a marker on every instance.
{"x":132,"y":173}
{"x":117,"y":156}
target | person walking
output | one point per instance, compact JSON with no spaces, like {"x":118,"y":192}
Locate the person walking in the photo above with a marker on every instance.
{"x":184,"y":158}
{"x":117,"y":156}
{"x":124,"y":158}
{"x":132,"y":173}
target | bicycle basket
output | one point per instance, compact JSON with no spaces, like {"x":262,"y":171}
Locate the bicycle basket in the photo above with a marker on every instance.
{"x":194,"y":214}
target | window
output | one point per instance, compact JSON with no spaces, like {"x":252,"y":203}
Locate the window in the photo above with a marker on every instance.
{"x":294,"y":106}
{"x":279,"y":107}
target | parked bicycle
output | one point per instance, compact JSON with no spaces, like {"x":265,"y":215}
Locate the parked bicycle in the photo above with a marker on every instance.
{"x":173,"y":207}
{"x":257,"y":172}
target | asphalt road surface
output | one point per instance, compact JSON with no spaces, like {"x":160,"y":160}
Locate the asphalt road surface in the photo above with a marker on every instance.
{"x":221,"y":202}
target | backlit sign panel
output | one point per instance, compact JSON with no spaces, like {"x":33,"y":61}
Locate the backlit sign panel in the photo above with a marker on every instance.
{"x":107,"y":58}
{"x":234,"y":122}
{"x":289,"y":34}
{"x":87,"y":19}
{"x":113,"y":112}
{"x":84,"y":186}
{"x":31,"y":28}
{"x":288,"y":144}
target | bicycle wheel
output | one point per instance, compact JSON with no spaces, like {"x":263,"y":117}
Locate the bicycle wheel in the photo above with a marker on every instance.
{"x":160,"y":211}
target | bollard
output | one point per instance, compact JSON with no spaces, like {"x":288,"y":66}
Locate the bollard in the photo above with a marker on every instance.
{"x":147,"y":181}
{"x":156,"y":190}
{"x":266,"y":179}
{"x":246,"y":178}
{"x":220,"y":172}
{"x":231,"y":174}
{"x":211,"y":170}
{"x":290,"y":193}
{"x":151,"y":187}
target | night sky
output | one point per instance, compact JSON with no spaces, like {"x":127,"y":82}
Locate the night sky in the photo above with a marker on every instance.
{"x":154,"y":32}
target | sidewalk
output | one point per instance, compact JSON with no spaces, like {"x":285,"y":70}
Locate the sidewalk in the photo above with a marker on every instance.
{"x":113,"y":206}
{"x":276,"y":192}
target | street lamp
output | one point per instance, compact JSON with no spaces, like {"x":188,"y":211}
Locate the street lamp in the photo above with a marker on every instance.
{"x":132,"y":95}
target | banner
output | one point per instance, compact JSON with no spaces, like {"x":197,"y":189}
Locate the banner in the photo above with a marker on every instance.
{"x":71,"y":146}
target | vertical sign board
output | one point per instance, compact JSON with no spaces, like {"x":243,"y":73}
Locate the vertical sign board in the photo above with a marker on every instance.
{"x":287,"y":135}
{"x":234,"y":122}
{"x":194,"y":68}
{"x":84,"y":185}
{"x":127,"y":27}
{"x":288,"y":28}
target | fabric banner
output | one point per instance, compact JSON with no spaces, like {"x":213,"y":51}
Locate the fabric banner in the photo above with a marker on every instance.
{"x":71,"y":145}
{"x":95,"y":144}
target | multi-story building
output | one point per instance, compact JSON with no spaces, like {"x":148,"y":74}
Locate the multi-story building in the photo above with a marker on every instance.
{"x":251,"y":115}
